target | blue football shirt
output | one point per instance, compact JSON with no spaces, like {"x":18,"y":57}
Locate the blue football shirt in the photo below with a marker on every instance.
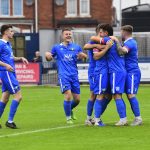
{"x":92,"y":61}
{"x":66,"y":57}
{"x":131,"y":58}
{"x":116,"y":63}
{"x":6,"y":54}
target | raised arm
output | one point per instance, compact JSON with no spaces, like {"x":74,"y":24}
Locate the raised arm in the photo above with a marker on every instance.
{"x":99,"y":54}
{"x":92,"y":46}
{"x":121,"y":50}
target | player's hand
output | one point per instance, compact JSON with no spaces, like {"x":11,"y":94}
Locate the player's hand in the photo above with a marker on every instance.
{"x":81,"y":55}
{"x":48,"y":56}
{"x":24,"y":60}
{"x":114,"y":39}
{"x":9,"y":68}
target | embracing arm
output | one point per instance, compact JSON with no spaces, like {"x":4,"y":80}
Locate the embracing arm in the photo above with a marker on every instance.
{"x":121,"y":50}
{"x":92,"y":46}
{"x":101,"y":53}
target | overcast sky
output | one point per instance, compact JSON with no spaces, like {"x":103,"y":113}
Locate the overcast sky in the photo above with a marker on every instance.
{"x":125,"y":4}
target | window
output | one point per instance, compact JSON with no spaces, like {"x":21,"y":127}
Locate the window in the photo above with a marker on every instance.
{"x":72,"y":8}
{"x":84,"y":7}
{"x":17,"y":7}
{"x":4,"y":7}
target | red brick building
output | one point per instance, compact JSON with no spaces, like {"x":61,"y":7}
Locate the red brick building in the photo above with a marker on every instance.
{"x":32,"y":15}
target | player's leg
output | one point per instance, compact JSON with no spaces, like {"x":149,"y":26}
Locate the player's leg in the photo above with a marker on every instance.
{"x":101,"y":82}
{"x":67,"y":105}
{"x":65,"y":87}
{"x":132,"y":84}
{"x":107,"y":96}
{"x":90,"y":106}
{"x":3,"y":102}
{"x":75,"y":89}
{"x":117,"y":86}
{"x":13,"y":109}
{"x":91,"y":100}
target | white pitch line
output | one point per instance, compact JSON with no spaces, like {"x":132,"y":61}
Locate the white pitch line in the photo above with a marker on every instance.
{"x":40,"y":130}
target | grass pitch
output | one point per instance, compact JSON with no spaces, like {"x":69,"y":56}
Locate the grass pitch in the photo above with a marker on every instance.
{"x":42,"y":124}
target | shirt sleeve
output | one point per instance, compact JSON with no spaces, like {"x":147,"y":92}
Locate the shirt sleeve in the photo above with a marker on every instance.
{"x":79,"y":49}
{"x":106,"y":40}
{"x":91,"y":42}
{"x":53,"y":51}
{"x":128,"y":46}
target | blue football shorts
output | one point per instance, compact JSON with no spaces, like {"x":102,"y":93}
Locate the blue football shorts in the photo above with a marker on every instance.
{"x":117,"y":82}
{"x":132,"y":82}
{"x":101,"y":83}
{"x":91,"y":80}
{"x":70,"y":83}
{"x":9,"y":82}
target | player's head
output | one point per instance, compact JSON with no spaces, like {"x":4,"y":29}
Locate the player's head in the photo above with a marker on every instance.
{"x":105,"y":30}
{"x":97,"y":29}
{"x":126,"y":31}
{"x":66,"y":35}
{"x":7,"y":30}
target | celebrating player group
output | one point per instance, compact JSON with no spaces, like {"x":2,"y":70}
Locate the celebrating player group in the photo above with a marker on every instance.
{"x":113,"y":70}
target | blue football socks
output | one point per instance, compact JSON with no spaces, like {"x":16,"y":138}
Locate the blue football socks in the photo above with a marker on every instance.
{"x":90,"y":106}
{"x":98,"y":108}
{"x":2,"y":107}
{"x":13,"y":109}
{"x":67,"y":108}
{"x":135,"y":106}
{"x":121,"y":108}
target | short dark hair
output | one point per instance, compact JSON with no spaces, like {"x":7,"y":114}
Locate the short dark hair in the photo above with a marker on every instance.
{"x":5,"y":27}
{"x":97,"y":29}
{"x":66,"y":29}
{"x":127,"y":28}
{"x":106,"y":27}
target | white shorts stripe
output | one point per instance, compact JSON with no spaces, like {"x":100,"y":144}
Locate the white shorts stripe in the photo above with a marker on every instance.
{"x":100,"y":84}
{"x":61,"y":86}
{"x":10,"y":82}
{"x":113,"y":90}
{"x":132,"y":84}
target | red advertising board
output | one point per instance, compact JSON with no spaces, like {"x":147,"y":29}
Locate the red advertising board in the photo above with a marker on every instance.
{"x":28,"y":73}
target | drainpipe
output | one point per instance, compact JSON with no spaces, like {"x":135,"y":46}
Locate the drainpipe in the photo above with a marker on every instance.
{"x":36,"y":16}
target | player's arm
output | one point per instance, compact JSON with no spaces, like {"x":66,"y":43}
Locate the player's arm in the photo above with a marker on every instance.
{"x":24,"y":60}
{"x":95,"y":39}
{"x":48,"y":56}
{"x":100,"y":54}
{"x":121,"y":50}
{"x":7,"y":66}
{"x":82,"y":55}
{"x":92,"y":46}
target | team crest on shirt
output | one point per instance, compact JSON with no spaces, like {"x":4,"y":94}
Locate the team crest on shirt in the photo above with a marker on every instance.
{"x":72,"y":49}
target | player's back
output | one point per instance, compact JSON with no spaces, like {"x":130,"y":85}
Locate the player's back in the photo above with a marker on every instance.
{"x":131,"y":58}
{"x":66,"y":57}
{"x":116,"y":62}
{"x":6,"y":54}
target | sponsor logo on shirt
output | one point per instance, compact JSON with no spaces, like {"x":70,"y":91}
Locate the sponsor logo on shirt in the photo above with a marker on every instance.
{"x":68,"y":57}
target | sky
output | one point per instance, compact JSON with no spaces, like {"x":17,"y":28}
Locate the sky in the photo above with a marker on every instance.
{"x":126,"y":3}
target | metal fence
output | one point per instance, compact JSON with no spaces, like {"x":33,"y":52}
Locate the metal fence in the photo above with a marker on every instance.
{"x":81,"y":37}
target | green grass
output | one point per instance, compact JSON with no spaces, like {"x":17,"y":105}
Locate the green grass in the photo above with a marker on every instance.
{"x":41,"y":108}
